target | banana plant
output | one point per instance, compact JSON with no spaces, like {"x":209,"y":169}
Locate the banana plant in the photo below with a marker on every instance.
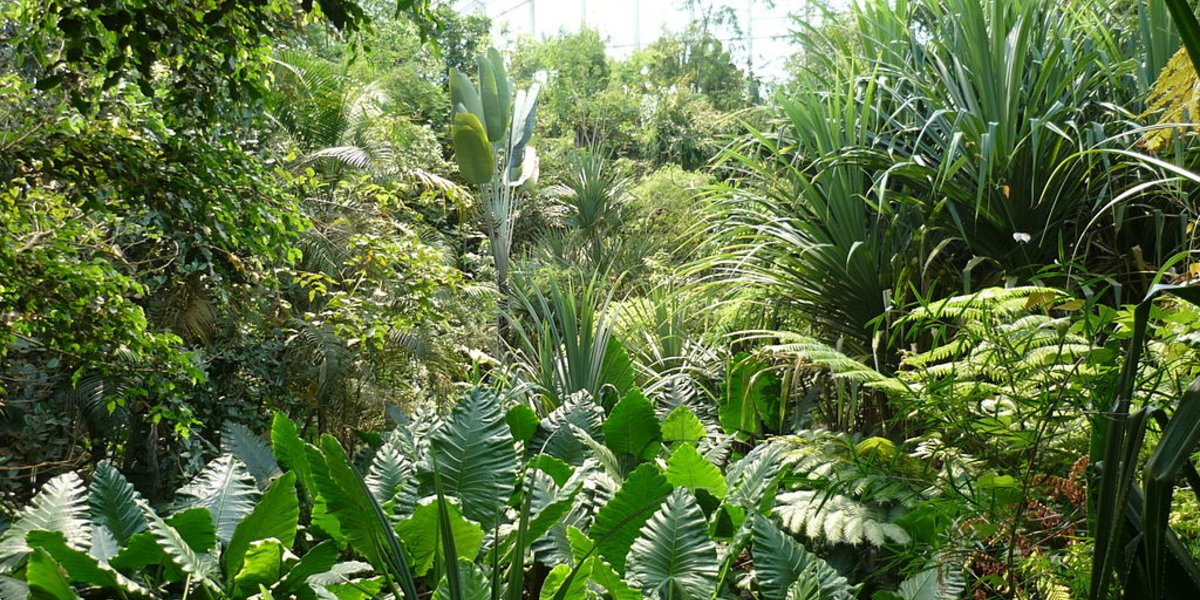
{"x":490,"y":130}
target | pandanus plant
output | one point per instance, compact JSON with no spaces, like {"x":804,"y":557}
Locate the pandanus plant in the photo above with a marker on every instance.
{"x":490,"y":130}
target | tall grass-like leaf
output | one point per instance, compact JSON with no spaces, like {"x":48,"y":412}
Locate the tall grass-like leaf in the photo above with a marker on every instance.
{"x":1117,"y":438}
{"x":1188,"y":27}
{"x":114,"y":503}
{"x":1173,"y":451}
{"x":226,"y":489}
{"x":360,"y":517}
{"x":474,"y":452}
{"x":673,"y":555}
{"x":61,"y":505}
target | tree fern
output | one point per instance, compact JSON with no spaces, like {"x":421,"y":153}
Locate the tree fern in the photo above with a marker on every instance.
{"x":673,"y":556}
{"x":61,"y":505}
{"x":226,"y":489}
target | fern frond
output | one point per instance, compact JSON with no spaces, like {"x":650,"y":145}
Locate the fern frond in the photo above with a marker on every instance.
{"x":836,"y":519}
{"x":1176,"y":99}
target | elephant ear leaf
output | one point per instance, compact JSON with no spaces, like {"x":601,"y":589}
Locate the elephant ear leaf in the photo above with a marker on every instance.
{"x":783,"y":564}
{"x":46,"y":579}
{"x":276,"y":516}
{"x":239,"y":441}
{"x":114,"y":503}
{"x":673,"y":555}
{"x":187,"y":539}
{"x":226,"y":489}
{"x":61,"y":505}
{"x":475,"y":455}
{"x":471,"y":148}
{"x":617,"y":522}
{"x":83,"y":568}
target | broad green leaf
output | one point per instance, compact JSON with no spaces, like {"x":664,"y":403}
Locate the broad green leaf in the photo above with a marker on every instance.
{"x":632,"y":427}
{"x":687,"y":468}
{"x":682,"y":425}
{"x":476,"y":458}
{"x":673,"y":556}
{"x":617,"y":522}
{"x":931,"y":584}
{"x":420,"y":534}
{"x":503,"y":90}
{"x":581,"y":544}
{"x":555,"y":436}
{"x":471,"y":149}
{"x":262,"y":566}
{"x":46,"y":578}
{"x":104,"y":545}
{"x":276,"y":517}
{"x":140,"y":552}
{"x":576,"y":589}
{"x":319,"y":559}
{"x":475,"y":584}
{"x":464,"y":95}
{"x":226,"y":489}
{"x":751,"y":397}
{"x":524,"y":120}
{"x":61,"y":505}
{"x":114,"y":502}
{"x":11,"y":587}
{"x":81,"y":567}
{"x":238,"y":440}
{"x":557,"y":469}
{"x":604,"y":576}
{"x":495,"y":115}
{"x":522,"y":422}
{"x":289,"y":450}
{"x":781,"y":561}
{"x":177,"y":544}
{"x":754,"y":479}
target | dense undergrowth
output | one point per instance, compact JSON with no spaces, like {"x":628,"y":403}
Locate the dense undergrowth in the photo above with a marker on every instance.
{"x":332,"y":300}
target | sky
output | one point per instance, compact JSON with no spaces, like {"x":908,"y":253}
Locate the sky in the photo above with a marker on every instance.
{"x":629,"y":24}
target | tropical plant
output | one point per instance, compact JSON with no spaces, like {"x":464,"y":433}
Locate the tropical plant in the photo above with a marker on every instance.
{"x":491,"y":130}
